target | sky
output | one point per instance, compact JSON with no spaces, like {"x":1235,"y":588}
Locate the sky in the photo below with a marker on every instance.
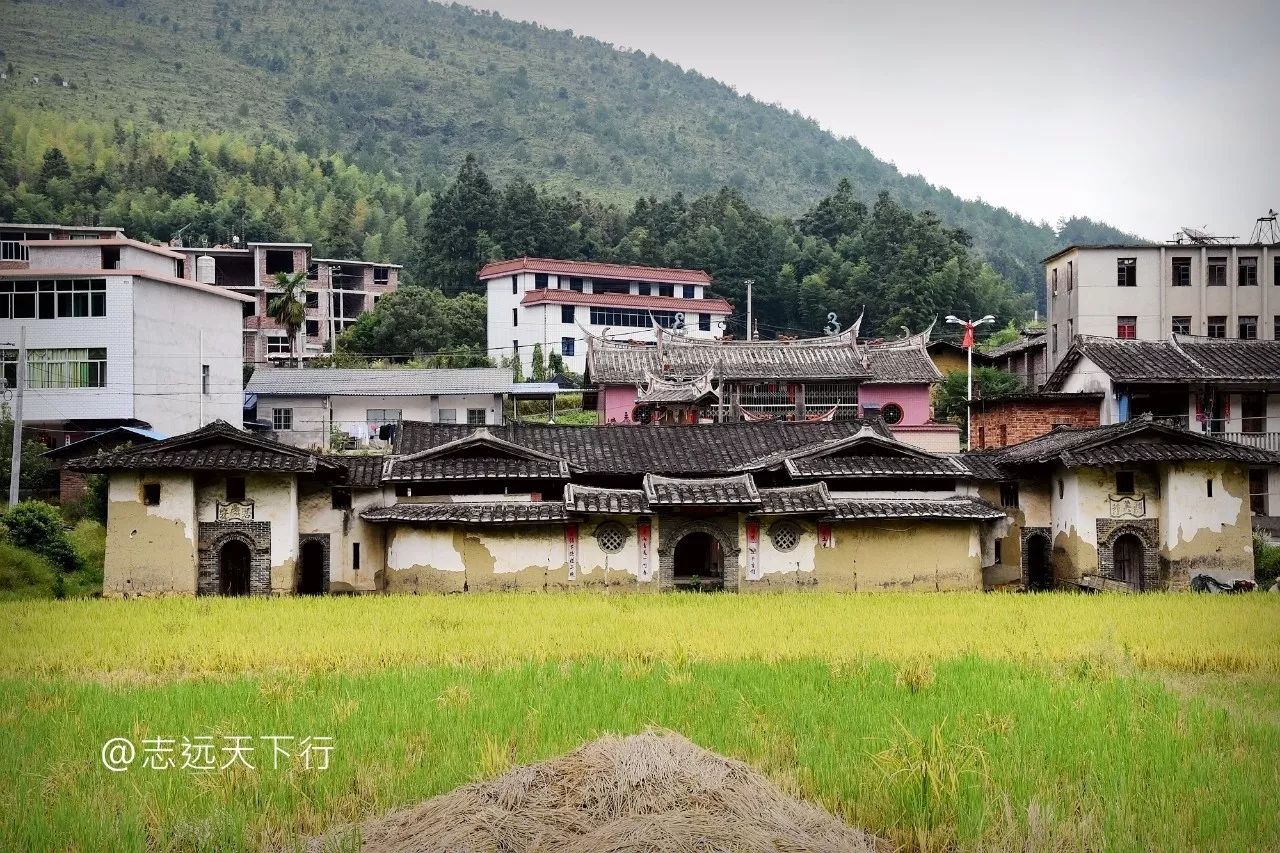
{"x":1147,"y":115}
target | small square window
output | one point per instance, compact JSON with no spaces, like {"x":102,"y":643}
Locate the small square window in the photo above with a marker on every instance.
{"x":1247,"y":272}
{"x":1216,"y":327}
{"x":643,"y":289}
{"x":1124,"y":483}
{"x":540,"y":281}
{"x":689,"y":291}
{"x":1217,"y":272}
{"x":568,"y":313}
{"x":1248,"y":328}
{"x":1182,"y":325}
{"x":666,"y":290}
{"x":1181,"y":272}
{"x":1009,"y":494}
{"x":341,"y":498}
{"x":235,"y":490}
{"x":448,"y":416}
{"x":475,"y":417}
{"x":282,"y":419}
{"x":151,"y":494}
{"x":575,"y":284}
{"x":1127,"y":272}
{"x":704,"y":322}
{"x":566,"y":346}
{"x":1127,"y":327}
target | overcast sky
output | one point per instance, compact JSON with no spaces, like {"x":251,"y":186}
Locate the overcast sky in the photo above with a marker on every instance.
{"x":1148,"y":115}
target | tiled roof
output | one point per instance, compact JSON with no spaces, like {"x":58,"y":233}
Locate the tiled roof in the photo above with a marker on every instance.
{"x":1134,"y":440}
{"x":900,"y":361}
{"x":363,"y":471}
{"x":633,"y":449}
{"x":1028,"y":342}
{"x":618,"y":363}
{"x":738,"y":490}
{"x":874,"y":466}
{"x":598,"y":501}
{"x":788,"y":500}
{"x":216,"y":447}
{"x":711,"y":305}
{"x":512,"y":512}
{"x":374,"y":382}
{"x":982,"y":464}
{"x":474,"y":468}
{"x":1180,"y":359}
{"x":591,"y":269}
{"x":940,"y":508}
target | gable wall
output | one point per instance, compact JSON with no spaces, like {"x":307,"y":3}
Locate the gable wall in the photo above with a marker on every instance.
{"x":151,"y":550}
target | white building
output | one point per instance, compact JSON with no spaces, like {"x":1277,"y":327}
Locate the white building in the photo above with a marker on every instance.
{"x":13,"y":236}
{"x":1148,"y":292}
{"x":116,"y":336}
{"x":333,"y":408}
{"x":550,"y":302}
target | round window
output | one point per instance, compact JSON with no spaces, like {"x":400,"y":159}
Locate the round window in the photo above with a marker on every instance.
{"x":785,"y":536}
{"x":611,"y":537}
{"x":892,"y":413}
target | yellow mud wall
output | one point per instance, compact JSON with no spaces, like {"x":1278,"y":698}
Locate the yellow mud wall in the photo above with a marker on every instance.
{"x":151,"y":550}
{"x":275,"y":500}
{"x":346,"y":529}
{"x":1203,"y":534}
{"x":442,"y":558}
{"x":1032,"y":511}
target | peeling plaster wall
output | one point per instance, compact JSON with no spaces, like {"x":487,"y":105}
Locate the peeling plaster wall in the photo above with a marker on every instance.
{"x":346,"y":529}
{"x":275,"y":500}
{"x":798,"y":563}
{"x":150,"y":549}
{"x":1033,"y":510}
{"x":901,"y":554}
{"x":439,"y":558}
{"x":1200,"y":534}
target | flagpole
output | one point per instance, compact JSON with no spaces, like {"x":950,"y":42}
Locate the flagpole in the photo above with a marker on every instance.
{"x":970,"y":326}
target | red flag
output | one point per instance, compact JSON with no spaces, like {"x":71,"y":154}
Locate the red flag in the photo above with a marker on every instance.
{"x":968,"y":336}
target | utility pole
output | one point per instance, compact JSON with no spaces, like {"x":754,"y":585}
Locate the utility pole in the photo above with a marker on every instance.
{"x":15,"y":461}
{"x":969,"y":327}
{"x":751,"y":328}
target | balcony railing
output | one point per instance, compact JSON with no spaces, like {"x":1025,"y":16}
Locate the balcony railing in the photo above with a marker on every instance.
{"x":1260,"y":440}
{"x":12,"y":250}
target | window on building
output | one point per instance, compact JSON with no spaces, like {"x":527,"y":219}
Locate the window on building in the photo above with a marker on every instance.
{"x":340,"y":498}
{"x":448,"y":416}
{"x":57,"y":368}
{"x":1127,"y":327}
{"x":1071,"y":329}
{"x":515,"y":284}
{"x":1053,"y":280}
{"x":999,"y":554}
{"x":785,"y":536}
{"x":704,"y":322}
{"x":611,"y":537}
{"x":1053,"y":339}
{"x":1009,"y":494}
{"x":1127,"y":272}
{"x":891,"y":413}
{"x":566,"y":346}
{"x":575,"y":284}
{"x":1181,"y":272}
{"x":643,"y":289}
{"x":568,"y":313}
{"x":1182,"y":325}
{"x":689,"y":291}
{"x":1217,"y":272}
{"x":1247,"y":272}
{"x":204,"y":379}
{"x":1253,"y":413}
{"x":381,"y":275}
{"x":632,"y":318}
{"x":1275,"y":327}
{"x":1248,"y":328}
{"x":235,"y":490}
{"x":282,"y":419}
{"x":355,"y":556}
{"x":111,"y":257}
{"x":1208,"y":488}
{"x":378,"y":418}
{"x":52,"y":299}
{"x":1124,"y":483}
{"x":278,"y":344}
{"x":248,"y":309}
{"x":279,"y":260}
{"x":515,"y":316}
{"x":1258,"y":491}
{"x":982,"y":436}
{"x":666,"y":290}
{"x":1216,"y":326}
{"x":1275,"y":270}
{"x":1071,"y":275}
{"x":151,"y":494}
{"x":598,"y":286}
{"x":540,"y":281}
{"x":475,"y":417}
{"x":1062,"y":488}
{"x":313,"y":299}
{"x":313,"y":328}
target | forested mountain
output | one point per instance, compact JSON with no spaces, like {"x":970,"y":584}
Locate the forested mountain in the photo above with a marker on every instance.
{"x":408,"y":88}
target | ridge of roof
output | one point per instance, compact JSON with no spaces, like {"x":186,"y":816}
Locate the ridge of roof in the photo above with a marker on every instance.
{"x":634,"y":272}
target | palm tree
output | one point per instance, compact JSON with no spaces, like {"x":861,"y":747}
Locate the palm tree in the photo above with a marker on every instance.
{"x":289,"y":309}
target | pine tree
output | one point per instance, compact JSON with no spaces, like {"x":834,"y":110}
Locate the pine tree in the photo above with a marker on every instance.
{"x":539,"y":364}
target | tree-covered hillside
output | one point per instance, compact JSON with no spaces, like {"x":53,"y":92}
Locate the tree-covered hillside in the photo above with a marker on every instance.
{"x":410,"y":88}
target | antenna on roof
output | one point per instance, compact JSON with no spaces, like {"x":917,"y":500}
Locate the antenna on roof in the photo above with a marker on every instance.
{"x":1265,"y":229}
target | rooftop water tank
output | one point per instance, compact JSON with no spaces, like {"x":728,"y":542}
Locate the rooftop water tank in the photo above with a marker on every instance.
{"x":204,"y":269}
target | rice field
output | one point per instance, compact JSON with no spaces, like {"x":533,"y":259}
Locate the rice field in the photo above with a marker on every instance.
{"x":935,"y":721}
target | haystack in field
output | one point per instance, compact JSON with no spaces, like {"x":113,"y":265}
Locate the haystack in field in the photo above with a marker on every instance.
{"x":647,"y":792}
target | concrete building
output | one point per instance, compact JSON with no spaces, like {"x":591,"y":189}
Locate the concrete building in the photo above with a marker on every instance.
{"x":1026,"y":358}
{"x":1148,"y":292}
{"x":338,"y":292}
{"x":13,"y":236}
{"x":551,"y":303}
{"x":117,"y":336}
{"x":337,"y":409}
{"x":742,"y":507}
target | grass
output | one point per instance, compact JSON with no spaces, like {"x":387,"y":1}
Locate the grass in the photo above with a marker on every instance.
{"x":24,"y":574}
{"x":938,"y":721}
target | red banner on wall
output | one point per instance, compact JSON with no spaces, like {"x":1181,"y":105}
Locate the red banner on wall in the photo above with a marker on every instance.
{"x":753,"y":549}
{"x":826,"y":536}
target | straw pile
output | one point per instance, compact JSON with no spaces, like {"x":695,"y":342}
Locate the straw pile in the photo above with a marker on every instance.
{"x":647,"y":792}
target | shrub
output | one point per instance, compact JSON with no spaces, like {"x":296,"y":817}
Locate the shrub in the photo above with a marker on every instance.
{"x":1266,"y":563}
{"x":39,"y":527}
{"x":22,"y":571}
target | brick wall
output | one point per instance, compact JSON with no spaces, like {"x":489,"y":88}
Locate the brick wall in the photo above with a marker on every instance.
{"x":996,"y":423}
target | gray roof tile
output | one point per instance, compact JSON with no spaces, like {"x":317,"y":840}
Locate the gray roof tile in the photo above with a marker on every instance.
{"x":216,"y":447}
{"x":739,"y":490}
{"x":600,"y":501}
{"x":513,"y":512}
{"x":788,"y":500}
{"x":941,"y":508}
{"x":379,"y":382}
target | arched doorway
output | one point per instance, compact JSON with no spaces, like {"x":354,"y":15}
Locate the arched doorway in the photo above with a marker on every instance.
{"x":698,"y":562}
{"x":311,"y":568}
{"x":1039,"y":574}
{"x":233,"y":566}
{"x":1127,"y":559}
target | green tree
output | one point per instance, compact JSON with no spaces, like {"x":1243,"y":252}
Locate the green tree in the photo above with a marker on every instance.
{"x":422,"y":321}
{"x":539,"y":366}
{"x":34,"y":467}
{"x":951,"y":395}
{"x":289,"y":307}
{"x":458,"y":225}
{"x":39,"y":527}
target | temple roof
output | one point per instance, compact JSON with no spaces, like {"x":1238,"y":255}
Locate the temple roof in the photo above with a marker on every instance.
{"x":216,"y":447}
{"x":787,"y":500}
{"x":739,"y":490}
{"x":594,"y":500}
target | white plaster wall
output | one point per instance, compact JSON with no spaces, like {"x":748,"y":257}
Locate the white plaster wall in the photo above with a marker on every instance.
{"x":134,"y":258}
{"x":593,"y":561}
{"x":145,"y":554}
{"x":176,"y":330}
{"x":275,"y":499}
{"x":799,"y":559}
{"x":313,"y":415}
{"x":1187,"y":508}
{"x":437,"y":547}
{"x":346,"y":529}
